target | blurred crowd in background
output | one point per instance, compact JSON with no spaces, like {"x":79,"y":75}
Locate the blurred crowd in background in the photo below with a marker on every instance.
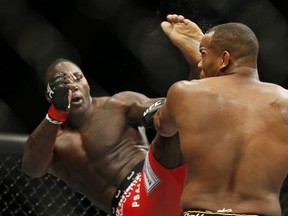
{"x":118,"y":44}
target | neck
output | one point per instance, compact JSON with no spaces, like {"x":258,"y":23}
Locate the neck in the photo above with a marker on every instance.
{"x":77,"y":119}
{"x":247,"y":72}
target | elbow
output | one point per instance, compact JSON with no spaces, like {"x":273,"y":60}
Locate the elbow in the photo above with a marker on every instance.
{"x":163,"y":130}
{"x":166,"y":133}
{"x":31,"y":170}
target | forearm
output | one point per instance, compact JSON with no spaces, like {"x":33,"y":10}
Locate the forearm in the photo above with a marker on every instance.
{"x":38,"y":151}
{"x":139,"y":107}
{"x":39,"y":148}
{"x":164,"y":125}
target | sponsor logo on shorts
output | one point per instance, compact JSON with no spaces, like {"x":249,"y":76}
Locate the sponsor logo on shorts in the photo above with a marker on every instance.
{"x":151,"y":180}
{"x":131,"y":196}
{"x":131,"y":175}
{"x":118,"y":194}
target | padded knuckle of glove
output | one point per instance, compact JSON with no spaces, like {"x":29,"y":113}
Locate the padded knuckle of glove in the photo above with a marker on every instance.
{"x":148,"y":115}
{"x":58,"y":91}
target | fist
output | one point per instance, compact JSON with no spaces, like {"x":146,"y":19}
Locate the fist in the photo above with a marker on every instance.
{"x":58,"y":91}
{"x":148,"y":115}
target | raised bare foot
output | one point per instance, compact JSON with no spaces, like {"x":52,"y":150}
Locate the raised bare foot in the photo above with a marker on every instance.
{"x":184,"y":34}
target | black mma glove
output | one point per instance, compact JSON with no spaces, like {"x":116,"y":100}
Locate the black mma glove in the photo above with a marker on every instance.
{"x":148,"y":115}
{"x":58,"y":92}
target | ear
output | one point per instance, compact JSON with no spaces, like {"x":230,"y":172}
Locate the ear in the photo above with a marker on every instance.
{"x":225,"y":60}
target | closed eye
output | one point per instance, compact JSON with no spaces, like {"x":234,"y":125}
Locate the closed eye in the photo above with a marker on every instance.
{"x":78,"y":76}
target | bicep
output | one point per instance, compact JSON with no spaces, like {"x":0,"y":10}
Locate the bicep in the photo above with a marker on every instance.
{"x":135,"y":105}
{"x":165,"y":118}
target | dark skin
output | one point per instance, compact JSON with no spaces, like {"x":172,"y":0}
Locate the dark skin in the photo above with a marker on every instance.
{"x":233,"y":129}
{"x":98,"y":144}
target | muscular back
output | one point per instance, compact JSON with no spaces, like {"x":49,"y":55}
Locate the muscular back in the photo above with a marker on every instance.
{"x":95,"y":158}
{"x":234,"y":139}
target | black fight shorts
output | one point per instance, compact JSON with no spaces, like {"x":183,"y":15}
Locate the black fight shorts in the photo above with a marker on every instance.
{"x":206,"y":213}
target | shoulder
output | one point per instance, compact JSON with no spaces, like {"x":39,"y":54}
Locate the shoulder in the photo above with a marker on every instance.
{"x":122,"y":99}
{"x":193,"y":91}
{"x":276,"y":90}
{"x":129,"y":95}
{"x":184,"y":86}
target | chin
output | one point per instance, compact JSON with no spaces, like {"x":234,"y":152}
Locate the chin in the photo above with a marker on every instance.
{"x":77,"y":110}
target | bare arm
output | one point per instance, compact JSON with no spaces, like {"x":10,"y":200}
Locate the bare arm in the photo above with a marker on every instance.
{"x":38,"y":151}
{"x":137,"y":103}
{"x":164,"y":119}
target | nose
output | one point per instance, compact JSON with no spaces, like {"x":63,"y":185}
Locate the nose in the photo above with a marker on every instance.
{"x":75,"y":88}
{"x":200,"y":65}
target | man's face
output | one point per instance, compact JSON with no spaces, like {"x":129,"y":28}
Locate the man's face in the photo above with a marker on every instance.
{"x":211,"y":59}
{"x":75,"y":80}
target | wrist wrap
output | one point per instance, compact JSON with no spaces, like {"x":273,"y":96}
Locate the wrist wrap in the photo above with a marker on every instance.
{"x":56,"y":116}
{"x":148,"y":115}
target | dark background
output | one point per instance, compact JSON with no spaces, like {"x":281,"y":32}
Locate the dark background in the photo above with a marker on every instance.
{"x":119,"y":46}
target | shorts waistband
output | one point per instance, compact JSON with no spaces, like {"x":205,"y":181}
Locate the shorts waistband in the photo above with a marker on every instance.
{"x":207,"y":213}
{"x":124,"y":185}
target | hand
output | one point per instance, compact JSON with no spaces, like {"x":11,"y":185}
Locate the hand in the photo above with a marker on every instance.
{"x":58,"y":92}
{"x":148,"y":115}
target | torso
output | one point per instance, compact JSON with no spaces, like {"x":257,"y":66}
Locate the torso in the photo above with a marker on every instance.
{"x":232,"y":125}
{"x":107,"y":148}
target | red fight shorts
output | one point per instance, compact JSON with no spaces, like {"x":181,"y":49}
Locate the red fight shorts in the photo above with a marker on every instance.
{"x":155,"y":191}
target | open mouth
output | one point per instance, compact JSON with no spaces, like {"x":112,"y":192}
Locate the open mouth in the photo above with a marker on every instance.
{"x":76,"y":100}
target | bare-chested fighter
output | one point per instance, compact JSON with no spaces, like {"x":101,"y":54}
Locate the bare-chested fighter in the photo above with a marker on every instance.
{"x":233,"y":129}
{"x":96,"y":146}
